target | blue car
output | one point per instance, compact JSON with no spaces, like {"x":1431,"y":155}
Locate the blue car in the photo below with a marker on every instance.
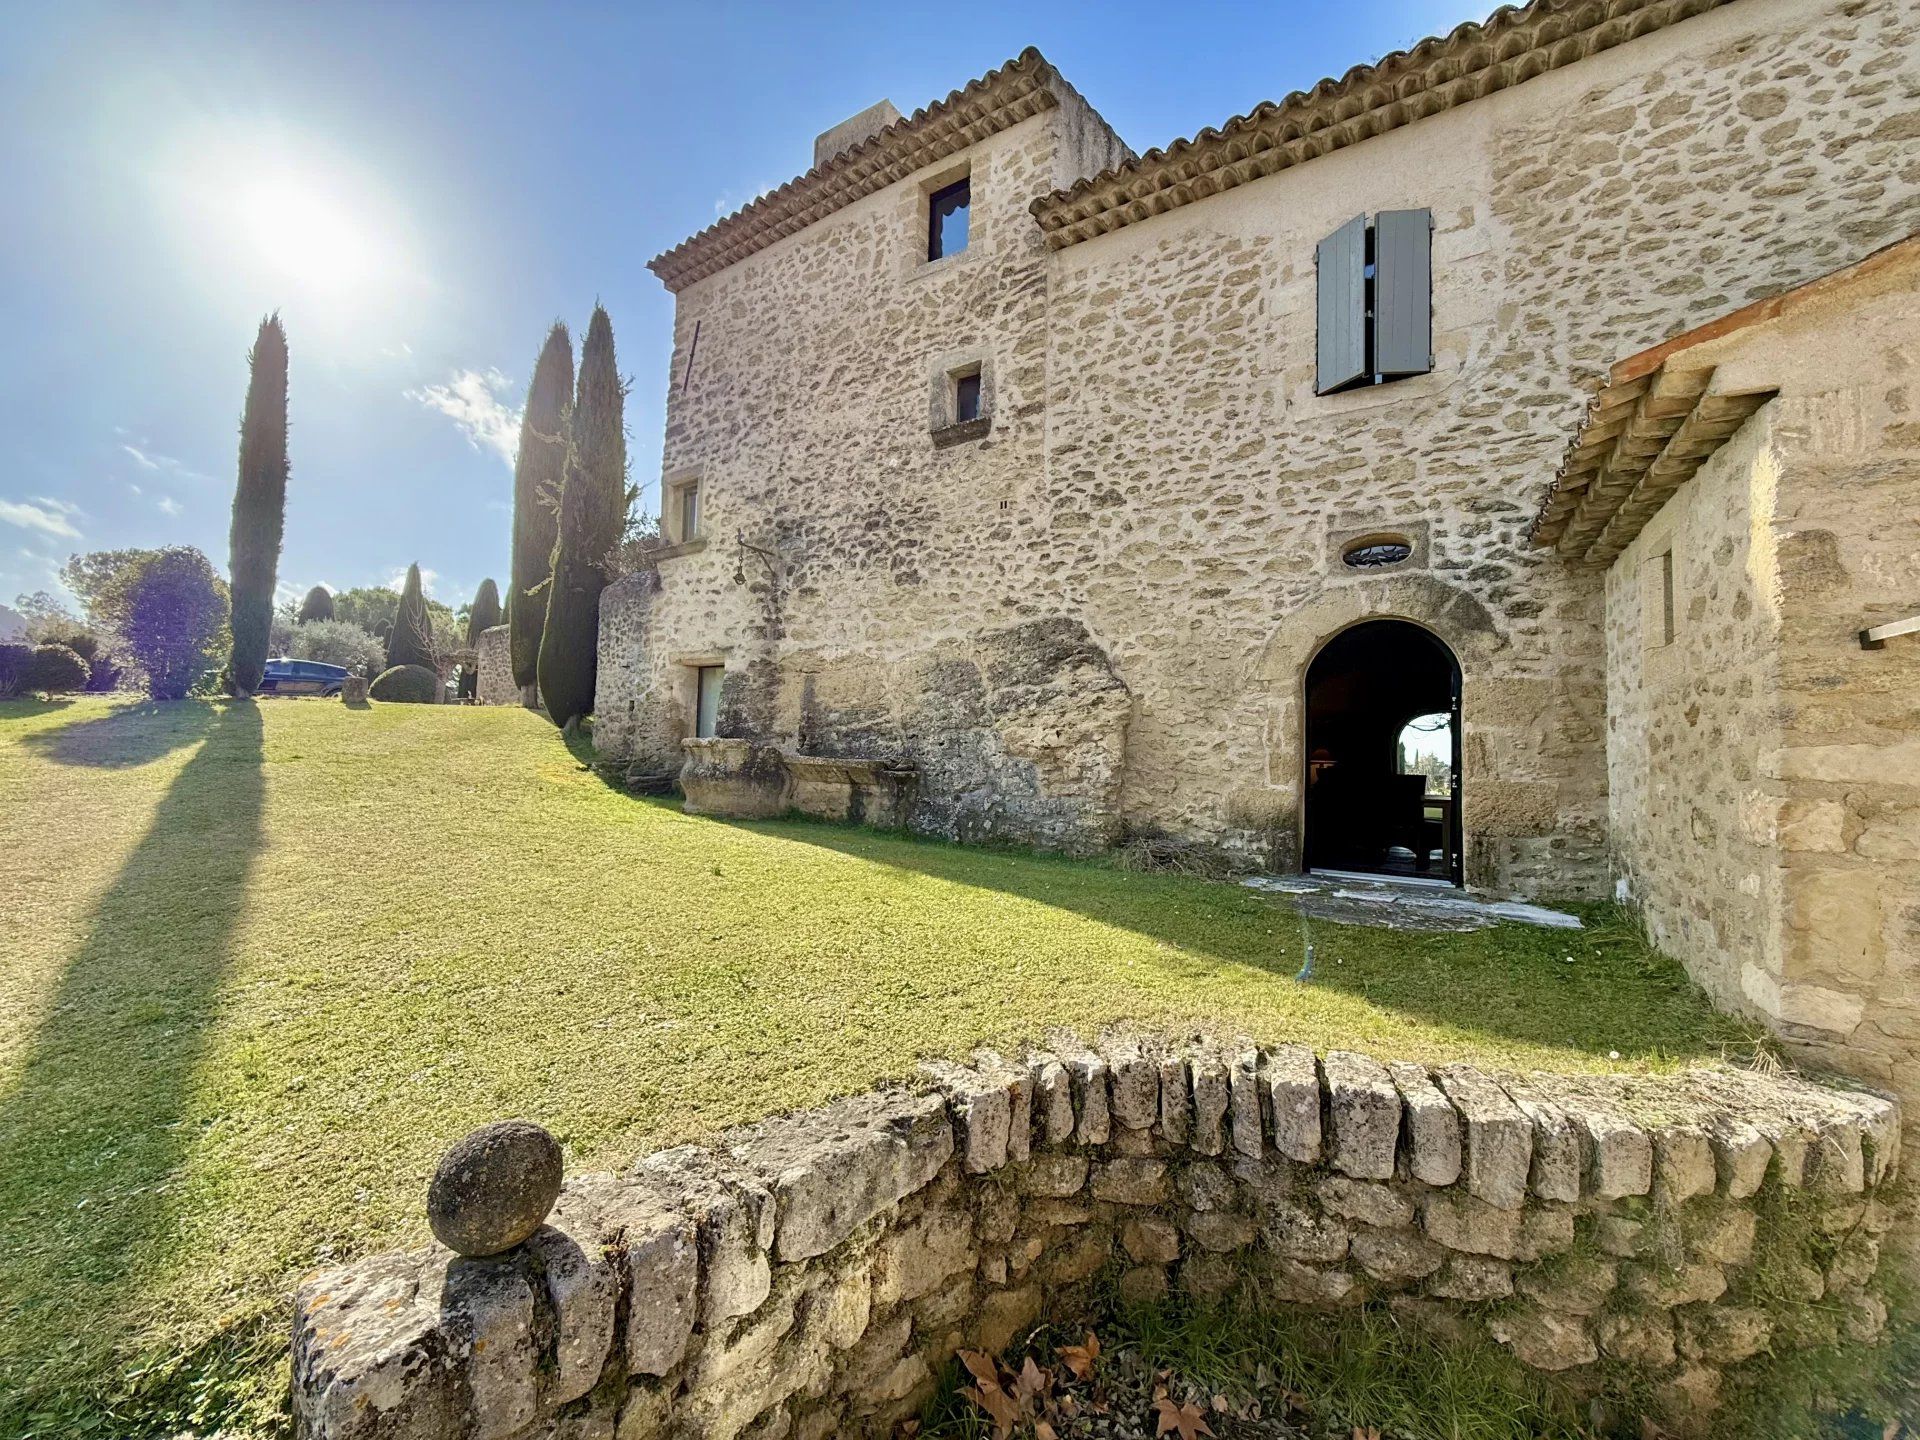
{"x":302,"y":677}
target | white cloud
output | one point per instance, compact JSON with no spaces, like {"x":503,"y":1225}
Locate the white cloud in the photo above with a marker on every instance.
{"x":168,"y":505}
{"x":428,"y":579}
{"x":472,"y":400}
{"x":153,"y":460}
{"x":400,"y":351}
{"x":49,"y":517}
{"x":729,"y":201}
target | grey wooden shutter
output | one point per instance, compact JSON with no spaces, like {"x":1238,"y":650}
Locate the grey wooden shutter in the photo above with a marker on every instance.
{"x":1403,"y":292}
{"x":1341,"y":263}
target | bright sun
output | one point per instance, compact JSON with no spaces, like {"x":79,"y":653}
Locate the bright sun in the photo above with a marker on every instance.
{"x":282,"y":221}
{"x":309,"y":236}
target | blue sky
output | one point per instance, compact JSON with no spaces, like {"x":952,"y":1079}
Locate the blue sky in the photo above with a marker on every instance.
{"x":421,"y":189}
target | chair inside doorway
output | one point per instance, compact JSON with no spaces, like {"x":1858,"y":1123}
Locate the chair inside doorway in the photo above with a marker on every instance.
{"x":1383,"y":754}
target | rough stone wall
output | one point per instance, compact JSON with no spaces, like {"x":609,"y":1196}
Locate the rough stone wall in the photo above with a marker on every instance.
{"x":496,"y":669}
{"x":1158,"y":467}
{"x":890,"y":613}
{"x":808,"y":1277}
{"x":1194,"y":478}
{"x":1766,"y":769}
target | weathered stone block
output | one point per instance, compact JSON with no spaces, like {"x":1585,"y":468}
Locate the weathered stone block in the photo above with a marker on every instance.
{"x":1619,"y":1154}
{"x":1363,"y":1115}
{"x":1293,"y":1095}
{"x":1723,"y":1334}
{"x":370,"y":1357}
{"x":1131,"y":1181}
{"x":582,"y":1289}
{"x":1209,"y":1074}
{"x":1638,"y":1337}
{"x":1176,"y":1101}
{"x":1243,"y":1102}
{"x":1220,"y":1231}
{"x":981,"y":1111}
{"x":1052,"y":1099}
{"x":1089,"y":1074}
{"x":1135,"y":1094}
{"x":1499,"y":1148}
{"x":1543,"y":1340}
{"x":833,"y":1172}
{"x":1150,"y":1240}
{"x":917,"y":1257}
{"x":1396,"y":1254}
{"x":1577,"y":1286}
{"x":1365,"y":1201}
{"x":1058,"y":1175}
{"x":1683,"y":1164}
{"x":1461,"y":1222}
{"x":491,"y":1303}
{"x":1559,"y":1154}
{"x":1432,"y":1128}
{"x":1472,"y":1277}
{"x":1298,"y":1233}
{"x":1741,"y":1155}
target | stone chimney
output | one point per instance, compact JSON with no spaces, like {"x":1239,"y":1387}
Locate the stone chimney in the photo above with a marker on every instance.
{"x":849,"y":133}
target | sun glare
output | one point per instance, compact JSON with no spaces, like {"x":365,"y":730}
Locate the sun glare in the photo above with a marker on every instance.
{"x":309,"y":236}
{"x":283,"y":222}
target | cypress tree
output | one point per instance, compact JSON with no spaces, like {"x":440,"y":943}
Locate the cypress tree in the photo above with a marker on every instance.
{"x":485,"y":611}
{"x":593,"y":511}
{"x":317,"y":606}
{"x":259,"y":505}
{"x":537,"y":474}
{"x":410,"y":641}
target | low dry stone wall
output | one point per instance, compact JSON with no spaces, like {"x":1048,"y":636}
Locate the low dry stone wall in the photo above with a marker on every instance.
{"x":808,"y":1277}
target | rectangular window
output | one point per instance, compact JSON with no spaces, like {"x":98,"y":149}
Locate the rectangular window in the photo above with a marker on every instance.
{"x":706,"y":706}
{"x":966,"y":397}
{"x":1374,"y":301}
{"x":947,"y":219}
{"x":682,"y":517}
{"x":1666,"y":597}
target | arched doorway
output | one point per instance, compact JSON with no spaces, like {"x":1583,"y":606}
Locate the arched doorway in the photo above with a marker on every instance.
{"x":1383,"y":753}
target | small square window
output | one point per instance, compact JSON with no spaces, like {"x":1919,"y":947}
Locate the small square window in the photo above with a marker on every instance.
{"x":706,"y":707}
{"x":947,"y":210}
{"x":966,"y":397}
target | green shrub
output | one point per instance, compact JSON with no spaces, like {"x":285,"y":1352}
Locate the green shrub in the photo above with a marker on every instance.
{"x":410,"y":641}
{"x":56,"y":670}
{"x":101,"y":652}
{"x":405,"y":685}
{"x":15,"y":660}
{"x":175,"y":610}
{"x":317,"y":606}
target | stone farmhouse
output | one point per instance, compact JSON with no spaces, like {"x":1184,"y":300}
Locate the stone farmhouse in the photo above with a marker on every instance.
{"x":1481,"y":467}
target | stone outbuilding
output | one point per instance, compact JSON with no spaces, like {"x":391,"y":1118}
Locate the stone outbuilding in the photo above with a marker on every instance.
{"x":1019,"y":486}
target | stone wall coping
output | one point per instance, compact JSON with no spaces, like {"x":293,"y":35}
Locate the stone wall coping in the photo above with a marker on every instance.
{"x":772,"y":1226}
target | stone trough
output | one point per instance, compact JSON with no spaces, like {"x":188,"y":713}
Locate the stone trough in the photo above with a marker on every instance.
{"x":809,"y":1276}
{"x":741,"y":780}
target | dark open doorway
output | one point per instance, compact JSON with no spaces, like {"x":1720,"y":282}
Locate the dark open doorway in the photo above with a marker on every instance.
{"x":1383,"y":753}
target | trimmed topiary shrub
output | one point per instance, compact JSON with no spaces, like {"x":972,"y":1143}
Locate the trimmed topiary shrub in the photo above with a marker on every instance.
{"x":405,"y":685}
{"x":56,"y":670}
{"x":410,"y":641}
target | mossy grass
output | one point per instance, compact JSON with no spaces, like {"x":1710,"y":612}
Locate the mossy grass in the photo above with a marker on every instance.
{"x":264,"y":961}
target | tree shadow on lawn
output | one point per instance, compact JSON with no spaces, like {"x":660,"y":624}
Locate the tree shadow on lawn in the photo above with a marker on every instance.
{"x":126,"y":736}
{"x":96,"y":1129}
{"x":1511,"y":983}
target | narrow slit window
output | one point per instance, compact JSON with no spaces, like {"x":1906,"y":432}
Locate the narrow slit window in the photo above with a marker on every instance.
{"x":947,"y":213}
{"x":966,"y":397}
{"x":690,"y":511}
{"x":706,"y":710}
{"x":1666,"y":597}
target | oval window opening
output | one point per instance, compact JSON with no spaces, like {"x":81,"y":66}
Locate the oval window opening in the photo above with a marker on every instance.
{"x":1367,"y":554}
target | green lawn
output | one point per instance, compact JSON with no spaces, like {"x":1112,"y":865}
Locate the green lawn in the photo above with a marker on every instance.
{"x":260,"y":963}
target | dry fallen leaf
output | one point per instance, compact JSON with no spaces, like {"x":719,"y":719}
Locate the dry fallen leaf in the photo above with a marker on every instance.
{"x":1187,"y":1420}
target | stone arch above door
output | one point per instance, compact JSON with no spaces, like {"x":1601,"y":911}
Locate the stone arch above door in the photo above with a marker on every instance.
{"x":1452,"y":614}
{"x":1279,"y":675}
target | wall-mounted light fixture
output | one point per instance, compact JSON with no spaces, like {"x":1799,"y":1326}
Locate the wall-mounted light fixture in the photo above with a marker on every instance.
{"x":744,"y":548}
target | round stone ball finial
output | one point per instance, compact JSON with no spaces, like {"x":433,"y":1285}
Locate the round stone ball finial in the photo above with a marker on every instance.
{"x":494,"y":1187}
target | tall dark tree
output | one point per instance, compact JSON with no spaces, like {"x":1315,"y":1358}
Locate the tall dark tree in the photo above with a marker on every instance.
{"x":537,"y":474}
{"x":593,"y":512}
{"x":317,"y":606}
{"x":259,"y":505}
{"x":410,"y":641}
{"x":485,"y":611}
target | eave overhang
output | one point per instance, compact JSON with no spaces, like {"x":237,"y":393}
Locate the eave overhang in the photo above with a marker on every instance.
{"x":1657,"y":418}
{"x":1513,"y":45}
{"x":998,"y":100}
